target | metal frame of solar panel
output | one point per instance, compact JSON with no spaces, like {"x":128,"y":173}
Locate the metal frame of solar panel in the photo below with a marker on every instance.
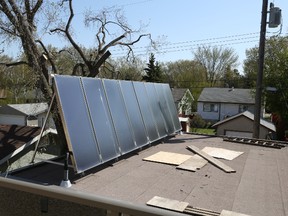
{"x":104,"y":119}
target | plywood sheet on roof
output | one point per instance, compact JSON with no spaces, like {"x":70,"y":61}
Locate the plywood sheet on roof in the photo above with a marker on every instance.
{"x":221,"y":153}
{"x":168,"y":158}
{"x":170,"y":204}
{"x":194,"y":163}
{"x":230,"y":213}
{"x":212,"y":160}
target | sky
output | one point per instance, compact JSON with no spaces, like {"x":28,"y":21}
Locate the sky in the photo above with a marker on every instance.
{"x":183,"y":25}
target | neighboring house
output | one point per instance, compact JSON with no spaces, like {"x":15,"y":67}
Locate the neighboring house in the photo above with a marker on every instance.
{"x":32,"y":114}
{"x":183,"y":100}
{"x":241,"y":125}
{"x":215,"y":104}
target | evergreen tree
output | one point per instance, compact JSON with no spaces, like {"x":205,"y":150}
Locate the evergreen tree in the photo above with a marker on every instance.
{"x":153,"y":71}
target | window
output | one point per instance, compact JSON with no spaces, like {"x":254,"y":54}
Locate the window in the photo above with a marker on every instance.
{"x":210,"y":107}
{"x":243,"y":108}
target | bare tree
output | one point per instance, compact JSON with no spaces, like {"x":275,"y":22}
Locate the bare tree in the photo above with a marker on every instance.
{"x":215,"y":60}
{"x":19,"y":21}
{"x":92,"y":62}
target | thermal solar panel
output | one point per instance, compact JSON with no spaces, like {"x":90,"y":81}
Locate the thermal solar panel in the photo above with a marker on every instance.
{"x":77,"y":123}
{"x":119,"y":115}
{"x":155,"y":109}
{"x":172,"y":107}
{"x":104,"y":119}
{"x":134,"y":113}
{"x":165,"y":108}
{"x":101,"y":119}
{"x":146,"y":112}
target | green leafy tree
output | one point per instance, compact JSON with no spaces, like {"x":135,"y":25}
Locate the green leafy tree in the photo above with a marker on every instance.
{"x":153,"y":71}
{"x":250,"y":67}
{"x":186,"y":74}
{"x":232,"y":78}
{"x":275,"y":80}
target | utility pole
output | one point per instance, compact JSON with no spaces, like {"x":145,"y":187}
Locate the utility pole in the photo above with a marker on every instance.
{"x":274,"y":21}
{"x":257,"y":112}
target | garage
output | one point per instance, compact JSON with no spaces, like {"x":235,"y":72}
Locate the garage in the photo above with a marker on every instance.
{"x":241,"y":125}
{"x":238,"y":134}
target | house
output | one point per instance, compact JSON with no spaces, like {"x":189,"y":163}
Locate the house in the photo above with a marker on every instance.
{"x":215,"y":104}
{"x":183,"y":100}
{"x":32,"y":114}
{"x":241,"y":125}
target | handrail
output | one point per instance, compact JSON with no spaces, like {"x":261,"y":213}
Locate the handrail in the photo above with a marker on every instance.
{"x":82,"y":198}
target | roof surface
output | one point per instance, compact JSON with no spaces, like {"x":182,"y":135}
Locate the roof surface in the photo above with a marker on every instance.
{"x":250,"y":116}
{"x":24,"y":109}
{"x":258,"y":187}
{"x":227,"y":95}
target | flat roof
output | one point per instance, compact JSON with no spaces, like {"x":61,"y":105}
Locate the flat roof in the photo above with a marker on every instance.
{"x":258,"y":187}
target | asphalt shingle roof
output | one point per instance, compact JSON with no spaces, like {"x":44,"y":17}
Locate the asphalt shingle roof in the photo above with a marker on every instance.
{"x":178,"y":94}
{"x":258,"y":187}
{"x":227,"y":95}
{"x":24,"y":109}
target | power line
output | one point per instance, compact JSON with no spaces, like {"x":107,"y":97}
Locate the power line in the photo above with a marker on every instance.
{"x":190,"y":45}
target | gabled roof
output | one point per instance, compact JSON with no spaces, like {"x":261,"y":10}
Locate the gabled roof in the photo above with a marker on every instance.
{"x":178,"y":93}
{"x":250,"y":116}
{"x":24,"y":109}
{"x":227,"y":95}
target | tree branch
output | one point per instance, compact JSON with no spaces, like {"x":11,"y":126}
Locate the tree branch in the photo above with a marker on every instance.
{"x":14,"y":63}
{"x":48,"y":56}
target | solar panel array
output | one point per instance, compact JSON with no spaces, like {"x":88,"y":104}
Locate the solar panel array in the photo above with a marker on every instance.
{"x":104,"y":119}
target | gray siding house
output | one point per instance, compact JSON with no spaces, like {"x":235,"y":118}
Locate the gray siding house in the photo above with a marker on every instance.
{"x":215,"y":104}
{"x":32,"y":114}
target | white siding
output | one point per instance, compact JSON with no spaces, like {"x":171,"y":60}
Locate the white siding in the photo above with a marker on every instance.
{"x":224,"y":110}
{"x":227,"y":110}
{"x":207,"y":115}
{"x":12,"y":120}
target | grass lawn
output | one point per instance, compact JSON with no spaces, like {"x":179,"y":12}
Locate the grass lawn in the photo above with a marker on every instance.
{"x":203,"y":131}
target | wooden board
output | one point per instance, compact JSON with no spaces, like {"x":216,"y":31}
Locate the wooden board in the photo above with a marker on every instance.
{"x":165,"y":203}
{"x":194,"y":163}
{"x":221,"y":153}
{"x":230,"y":213}
{"x":168,"y":158}
{"x":212,"y":160}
